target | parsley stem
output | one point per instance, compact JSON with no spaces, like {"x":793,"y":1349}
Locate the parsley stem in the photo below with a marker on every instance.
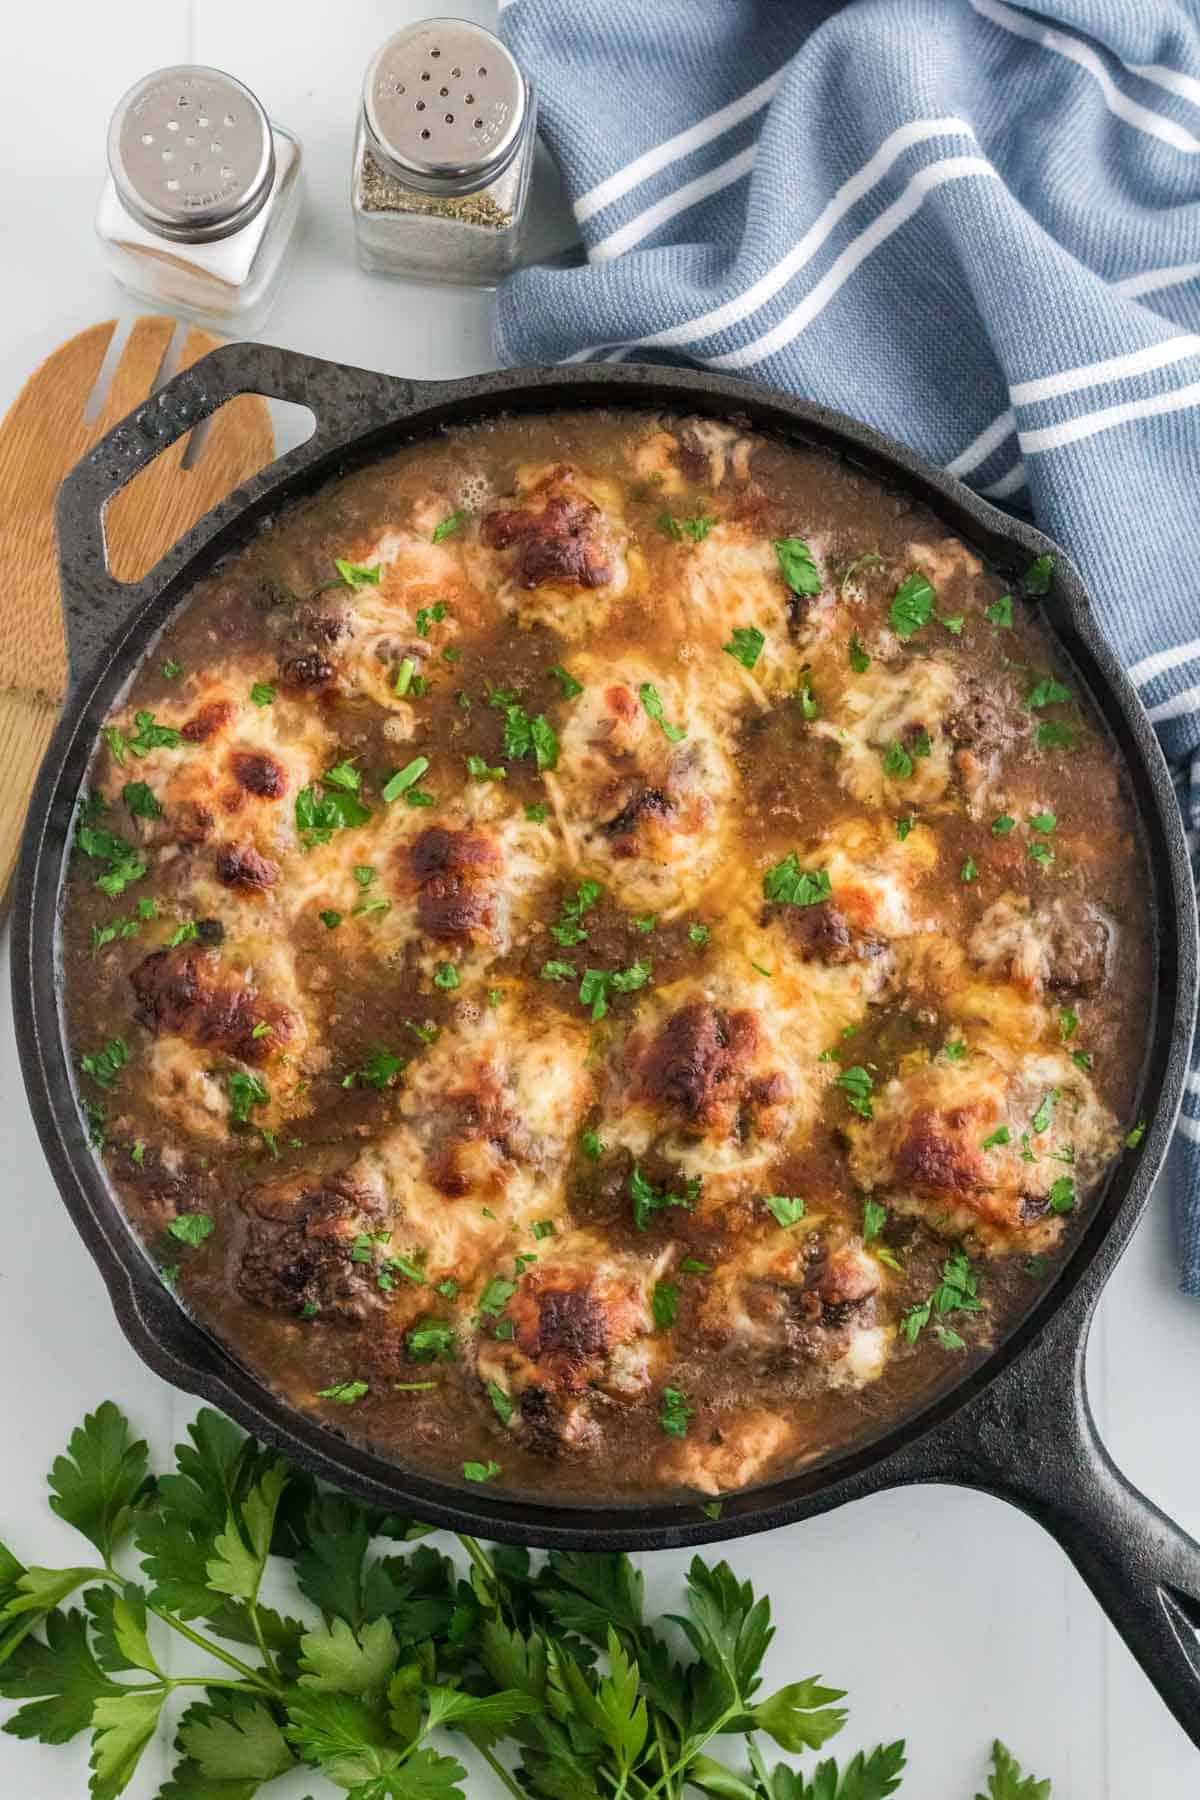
{"x":483,"y":1564}
{"x":691,"y":1749}
{"x":268,"y":1659}
{"x":500,"y":1772}
{"x":255,"y":1676}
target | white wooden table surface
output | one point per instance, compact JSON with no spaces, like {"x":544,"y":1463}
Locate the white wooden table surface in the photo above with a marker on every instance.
{"x":948,"y":1616}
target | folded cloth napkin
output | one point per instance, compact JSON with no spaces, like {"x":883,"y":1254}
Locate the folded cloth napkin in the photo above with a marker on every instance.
{"x":975,"y":226}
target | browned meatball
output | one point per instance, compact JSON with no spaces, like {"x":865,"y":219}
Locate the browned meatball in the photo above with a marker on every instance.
{"x":312,"y":1244}
{"x":455,"y":874}
{"x":241,"y":866}
{"x":700,"y":1065}
{"x":187,"y":992}
{"x":559,"y":540}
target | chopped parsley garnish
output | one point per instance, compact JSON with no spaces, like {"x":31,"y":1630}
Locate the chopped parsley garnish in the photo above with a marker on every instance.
{"x":495,"y":996}
{"x":496,"y":1296}
{"x":430,"y":1340}
{"x":1041,"y":1118}
{"x":912,"y":606}
{"x":1133,"y":1138}
{"x":874,"y":1220}
{"x":152,"y":736}
{"x":569,"y":930}
{"x":378,"y":905}
{"x":806,"y":699}
{"x":1083,"y":1059}
{"x":790,"y":885}
{"x":860,"y":662}
{"x":345,"y":1393}
{"x":403,"y":779}
{"x":649,"y":696}
{"x":857,"y":1085}
{"x":1055,"y":734}
{"x":430,"y":615}
{"x":137,"y":1155}
{"x":745,"y":645}
{"x":344,"y":776}
{"x":450,"y":524}
{"x":646,"y":922}
{"x":692,"y":1266}
{"x":969,"y":870}
{"x":478,"y":770}
{"x":1041,"y":853}
{"x":1001,"y":1135}
{"x":477,"y":1471}
{"x":955,"y":1050}
{"x":664,"y":1304}
{"x":147,"y":909}
{"x":921,"y":744}
{"x":502,"y":1404}
{"x":244,"y":1092}
{"x":107,"y":934}
{"x":566,"y":681}
{"x":786,"y":1210}
{"x":955,"y":625}
{"x":897,"y":763}
{"x":404,"y":677}
{"x":1036,"y":579}
{"x":262,"y":693}
{"x":1000,"y":613}
{"x":1048,"y":692}
{"x":1035,"y":1266}
{"x":948,"y":1339}
{"x":534,"y":738}
{"x":589,"y":1143}
{"x":261,"y":1030}
{"x":380,"y":1068}
{"x":1068,"y":1023}
{"x":445,"y":976}
{"x":903,"y":827}
{"x":597,"y":984}
{"x":448,"y":1289}
{"x":557,"y":971}
{"x":648,"y":1200}
{"x":139,"y":800}
{"x":1003,"y":824}
{"x":957,"y":1291}
{"x":357,"y":574}
{"x":451,"y":654}
{"x":797,"y":566}
{"x":699,"y":935}
{"x":1043,"y":822}
{"x":674,"y":1413}
{"x":1062,"y":1195}
{"x":329,"y":919}
{"x":318,"y":816}
{"x":191,"y":1228}
{"x":171,"y":669}
{"x":692,"y":530}
{"x":105,"y":1065}
{"x":758,"y":968}
{"x":542,"y":1228}
{"x":364,"y":874}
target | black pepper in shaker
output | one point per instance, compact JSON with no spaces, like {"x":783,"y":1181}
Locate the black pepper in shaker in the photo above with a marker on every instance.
{"x":443,"y":155}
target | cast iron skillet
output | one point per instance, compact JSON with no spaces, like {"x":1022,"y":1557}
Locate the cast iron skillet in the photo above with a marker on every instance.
{"x":1018,"y":1426}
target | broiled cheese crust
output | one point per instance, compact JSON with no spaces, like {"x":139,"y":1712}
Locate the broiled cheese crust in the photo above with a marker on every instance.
{"x":612,"y":957}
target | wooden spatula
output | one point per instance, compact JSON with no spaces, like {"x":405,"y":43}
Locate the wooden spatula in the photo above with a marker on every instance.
{"x":43,"y":435}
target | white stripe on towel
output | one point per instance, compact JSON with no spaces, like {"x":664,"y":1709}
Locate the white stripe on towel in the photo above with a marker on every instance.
{"x":1119,"y":104}
{"x":682,"y":144}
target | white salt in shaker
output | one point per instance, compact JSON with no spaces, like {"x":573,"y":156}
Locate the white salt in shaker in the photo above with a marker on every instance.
{"x":442,"y":155}
{"x":202,"y":197}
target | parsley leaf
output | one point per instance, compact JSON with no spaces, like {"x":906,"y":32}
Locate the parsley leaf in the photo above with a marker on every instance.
{"x":745,"y":645}
{"x":1048,"y":692}
{"x":262,"y":693}
{"x":95,"y":1485}
{"x":1003,"y":824}
{"x":674,"y":1413}
{"x":784,"y":1210}
{"x":897,"y":763}
{"x":790,"y":885}
{"x":797,"y":566}
{"x":903,"y":827}
{"x":693,"y":530}
{"x":1036,"y":579}
{"x":860,"y":662}
{"x":664,"y":1304}
{"x":139,"y":800}
{"x":856,"y":1084}
{"x":912,"y":606}
{"x":245,"y":1091}
{"x":648,"y":1199}
{"x":451,"y":523}
{"x":649,"y":696}
{"x":1000,"y":613}
{"x":191,"y":1228}
{"x":357,"y":574}
{"x":566,"y":681}
{"x":1007,"y":1782}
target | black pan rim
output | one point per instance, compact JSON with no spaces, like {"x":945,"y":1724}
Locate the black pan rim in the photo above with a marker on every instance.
{"x":179,"y":1349}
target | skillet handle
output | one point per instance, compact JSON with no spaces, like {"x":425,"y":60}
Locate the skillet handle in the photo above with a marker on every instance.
{"x":1031,"y":1439}
{"x":347,"y":403}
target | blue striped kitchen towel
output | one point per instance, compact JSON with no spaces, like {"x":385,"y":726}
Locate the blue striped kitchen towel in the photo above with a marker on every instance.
{"x":974,"y":225}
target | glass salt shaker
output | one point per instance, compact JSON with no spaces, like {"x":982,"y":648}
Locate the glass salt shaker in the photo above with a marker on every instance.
{"x":202,"y":197}
{"x":442,"y":155}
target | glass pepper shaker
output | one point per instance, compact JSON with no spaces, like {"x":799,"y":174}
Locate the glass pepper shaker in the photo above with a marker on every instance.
{"x":442,"y":155}
{"x":202,"y":196}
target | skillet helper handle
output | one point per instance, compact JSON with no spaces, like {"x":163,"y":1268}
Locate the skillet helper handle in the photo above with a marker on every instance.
{"x":1030,"y":1438}
{"x":346,"y":402}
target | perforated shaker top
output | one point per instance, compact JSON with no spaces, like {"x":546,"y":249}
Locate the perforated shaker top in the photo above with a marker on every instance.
{"x":445,"y":106}
{"x":191,"y":154}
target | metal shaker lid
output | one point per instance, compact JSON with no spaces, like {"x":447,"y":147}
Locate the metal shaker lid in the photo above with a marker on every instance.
{"x":445,"y":106}
{"x":191,"y":154}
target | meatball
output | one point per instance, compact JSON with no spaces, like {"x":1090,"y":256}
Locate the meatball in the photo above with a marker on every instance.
{"x":822,"y":933}
{"x":560,"y":540}
{"x":309,"y":1244}
{"x":241,"y":866}
{"x":455,"y":874}
{"x":188,"y":993}
{"x":701,"y":1066}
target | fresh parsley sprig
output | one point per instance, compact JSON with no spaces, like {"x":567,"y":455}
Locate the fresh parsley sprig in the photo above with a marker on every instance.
{"x":409,"y":1646}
